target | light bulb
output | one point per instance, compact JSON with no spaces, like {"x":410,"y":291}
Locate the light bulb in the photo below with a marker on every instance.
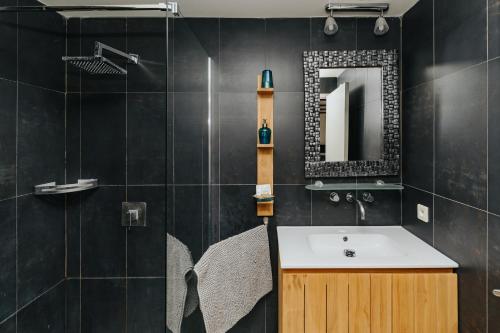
{"x":331,"y":26}
{"x":381,"y":26}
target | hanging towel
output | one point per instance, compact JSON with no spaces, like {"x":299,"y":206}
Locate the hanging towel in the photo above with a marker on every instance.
{"x":232,"y":276}
{"x":182,"y":299}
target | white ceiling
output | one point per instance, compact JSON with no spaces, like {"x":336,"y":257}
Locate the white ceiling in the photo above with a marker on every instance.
{"x":236,"y":8}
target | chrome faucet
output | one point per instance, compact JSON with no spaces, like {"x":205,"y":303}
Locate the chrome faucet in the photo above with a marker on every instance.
{"x":350,"y":198}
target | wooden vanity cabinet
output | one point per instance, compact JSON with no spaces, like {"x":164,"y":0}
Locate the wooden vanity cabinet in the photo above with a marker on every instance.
{"x":368,"y":301}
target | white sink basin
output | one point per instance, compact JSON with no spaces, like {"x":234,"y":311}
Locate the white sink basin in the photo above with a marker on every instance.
{"x":365,"y":246}
{"x":356,"y":247}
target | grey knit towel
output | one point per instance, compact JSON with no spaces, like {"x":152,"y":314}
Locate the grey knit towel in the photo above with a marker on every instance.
{"x":232,"y":276}
{"x":182,"y":298}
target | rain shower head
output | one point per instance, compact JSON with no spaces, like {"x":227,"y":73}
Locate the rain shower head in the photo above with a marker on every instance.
{"x":98,"y":64}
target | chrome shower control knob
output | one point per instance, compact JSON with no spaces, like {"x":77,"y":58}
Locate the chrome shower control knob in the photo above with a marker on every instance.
{"x":349,"y":197}
{"x":368,"y":197}
{"x":334,"y":197}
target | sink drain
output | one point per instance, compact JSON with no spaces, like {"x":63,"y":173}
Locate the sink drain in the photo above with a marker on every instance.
{"x":350,"y":253}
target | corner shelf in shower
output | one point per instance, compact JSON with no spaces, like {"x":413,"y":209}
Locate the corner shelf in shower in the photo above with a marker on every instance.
{"x":265,"y":152}
{"x":53,"y":188}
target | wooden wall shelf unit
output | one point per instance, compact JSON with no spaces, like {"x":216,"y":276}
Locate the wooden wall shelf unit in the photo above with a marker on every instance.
{"x":368,"y":301}
{"x":265,"y":152}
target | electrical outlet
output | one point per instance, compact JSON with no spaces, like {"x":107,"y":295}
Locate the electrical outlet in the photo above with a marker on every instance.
{"x":423,"y":213}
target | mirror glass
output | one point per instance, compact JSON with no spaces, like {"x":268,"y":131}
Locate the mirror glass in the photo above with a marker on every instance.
{"x":351,"y":114}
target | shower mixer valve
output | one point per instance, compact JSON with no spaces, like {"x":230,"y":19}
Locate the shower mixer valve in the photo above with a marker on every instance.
{"x":133,"y":214}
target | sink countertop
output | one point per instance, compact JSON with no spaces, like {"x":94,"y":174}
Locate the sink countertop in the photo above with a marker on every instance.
{"x":376,"y":247}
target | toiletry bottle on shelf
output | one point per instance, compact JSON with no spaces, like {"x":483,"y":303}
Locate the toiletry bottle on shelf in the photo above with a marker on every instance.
{"x":264,"y":133}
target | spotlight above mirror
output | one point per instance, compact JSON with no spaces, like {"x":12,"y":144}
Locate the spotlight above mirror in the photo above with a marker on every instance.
{"x":381,"y":26}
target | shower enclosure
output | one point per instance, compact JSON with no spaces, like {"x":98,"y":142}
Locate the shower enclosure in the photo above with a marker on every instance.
{"x":66,"y":262}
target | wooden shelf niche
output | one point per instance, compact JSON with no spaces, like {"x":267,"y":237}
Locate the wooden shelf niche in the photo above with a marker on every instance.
{"x":265,"y":152}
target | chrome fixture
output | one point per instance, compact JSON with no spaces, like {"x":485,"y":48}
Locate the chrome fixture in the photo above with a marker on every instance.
{"x":171,"y":7}
{"x":381,"y":26}
{"x":350,"y":198}
{"x":98,"y":64}
{"x":368,"y":197}
{"x":356,"y":7}
{"x":496,"y":292}
{"x":334,"y":197}
{"x":350,"y":253}
{"x":134,"y":214}
{"x":53,"y":188}
{"x":331,"y":26}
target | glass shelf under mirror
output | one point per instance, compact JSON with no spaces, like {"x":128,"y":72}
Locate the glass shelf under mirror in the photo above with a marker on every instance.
{"x":355,"y":186}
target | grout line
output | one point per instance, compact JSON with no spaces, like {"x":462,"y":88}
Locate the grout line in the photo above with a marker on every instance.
{"x":487,"y":164}
{"x":126,"y":177}
{"x":117,"y":278}
{"x":433,"y":123}
{"x":17,"y":165}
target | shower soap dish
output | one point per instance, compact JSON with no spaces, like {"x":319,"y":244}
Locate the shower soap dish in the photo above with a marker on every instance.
{"x":263,"y":194}
{"x":53,"y":188}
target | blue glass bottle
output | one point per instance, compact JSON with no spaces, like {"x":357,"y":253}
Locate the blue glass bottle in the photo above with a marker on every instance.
{"x":264,"y":133}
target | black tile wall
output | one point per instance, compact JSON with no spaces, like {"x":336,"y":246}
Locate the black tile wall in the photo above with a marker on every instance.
{"x":454,"y":174}
{"x":116,"y":132}
{"x":32,"y":130}
{"x":493,"y":271}
{"x":344,"y":39}
{"x":8,"y":138}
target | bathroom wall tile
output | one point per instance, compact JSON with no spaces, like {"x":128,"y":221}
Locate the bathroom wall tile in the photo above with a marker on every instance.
{"x":493,"y":137}
{"x":493,"y":272}
{"x":456,"y":225}
{"x":289,"y":138}
{"x":292,"y":35}
{"x":8,"y":48}
{"x":418,"y":136}
{"x":190,"y":62}
{"x":170,"y":55}
{"x":384,"y":210}
{"x":103,"y":306}
{"x":242,"y":53}
{"x":366,"y":39}
{"x":46,"y":314}
{"x":238,"y":135}
{"x":189,"y":218}
{"x":41,"y":248}
{"x":237,"y":210}
{"x":190,"y":122}
{"x":42,"y":43}
{"x":206,"y":30}
{"x":103,"y":237}
{"x":460,"y":34}
{"x":146,"y":305}
{"x":8,"y":97}
{"x":147,"y":38}
{"x":412,"y":197}
{"x":461,"y":150}
{"x":252,"y":322}
{"x":344,"y":39}
{"x":73,"y":136}
{"x":327,"y":213}
{"x":73,"y":305}
{"x":418,"y":48}
{"x":146,"y":138}
{"x":112,"y":32}
{"x":493,"y":28}
{"x":40,"y":137}
{"x":169,"y":141}
{"x":73,"y":49}
{"x":73,"y":234}
{"x":215,"y":140}
{"x":103,"y":155}
{"x":8,"y":326}
{"x":7,"y":258}
{"x":146,"y":246}
{"x":292,"y":206}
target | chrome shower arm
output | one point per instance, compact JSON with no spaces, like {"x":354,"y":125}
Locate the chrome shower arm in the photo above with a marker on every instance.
{"x":99,"y":47}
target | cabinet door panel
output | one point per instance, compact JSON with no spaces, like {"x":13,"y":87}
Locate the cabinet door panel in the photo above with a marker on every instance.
{"x":293,"y":303}
{"x":359,"y":303}
{"x":381,"y":303}
{"x":403,"y":306}
{"x":315,"y":308}
{"x":338,"y":303}
{"x":425,"y":303}
{"x":447,"y":301}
